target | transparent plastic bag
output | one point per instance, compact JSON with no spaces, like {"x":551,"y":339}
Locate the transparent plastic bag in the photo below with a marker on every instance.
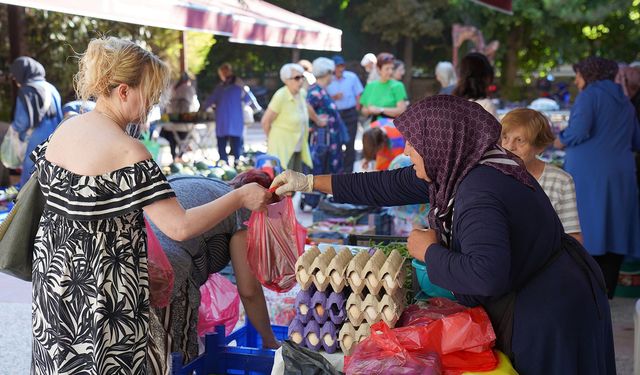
{"x":160,"y":271}
{"x":219,"y":305}
{"x":275,"y":240}
{"x":12,"y":149}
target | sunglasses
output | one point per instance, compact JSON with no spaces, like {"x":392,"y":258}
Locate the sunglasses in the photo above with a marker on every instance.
{"x":297,"y":78}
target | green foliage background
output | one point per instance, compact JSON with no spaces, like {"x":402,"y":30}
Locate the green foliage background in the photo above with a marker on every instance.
{"x":542,"y":35}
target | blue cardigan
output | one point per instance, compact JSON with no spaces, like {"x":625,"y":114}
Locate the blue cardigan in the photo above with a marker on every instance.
{"x":503,"y":232}
{"x":603,"y":131}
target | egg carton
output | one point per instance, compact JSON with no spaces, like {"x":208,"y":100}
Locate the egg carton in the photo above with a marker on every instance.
{"x":371,"y":272}
{"x":312,"y":304}
{"x":320,"y":269}
{"x":351,"y":335}
{"x":338,"y":269}
{"x":373,"y":308}
{"x":314,"y":335}
{"x":303,"y":267}
{"x":355,"y":272}
{"x":392,"y":275}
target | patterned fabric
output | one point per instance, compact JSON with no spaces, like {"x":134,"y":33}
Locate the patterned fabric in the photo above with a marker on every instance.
{"x":394,"y":146}
{"x":326,"y":142}
{"x":453,"y":136}
{"x":90,"y":282}
{"x":559,"y":187}
{"x":595,"y":68}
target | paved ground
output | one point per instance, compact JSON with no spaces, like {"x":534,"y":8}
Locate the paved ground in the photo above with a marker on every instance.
{"x":15,"y":312}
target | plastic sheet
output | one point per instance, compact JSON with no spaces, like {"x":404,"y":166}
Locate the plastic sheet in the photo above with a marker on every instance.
{"x":384,"y":353}
{"x":274,"y":242}
{"x":219,"y":304}
{"x":161,"y":276}
{"x":299,"y":360}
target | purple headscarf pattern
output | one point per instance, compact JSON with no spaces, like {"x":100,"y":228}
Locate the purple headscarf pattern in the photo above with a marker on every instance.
{"x":453,"y":135}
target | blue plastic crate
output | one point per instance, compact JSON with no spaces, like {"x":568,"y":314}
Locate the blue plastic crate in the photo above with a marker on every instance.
{"x":220,"y":358}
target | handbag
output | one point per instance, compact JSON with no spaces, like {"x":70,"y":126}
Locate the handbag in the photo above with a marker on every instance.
{"x":18,"y":231}
{"x":247,"y":114}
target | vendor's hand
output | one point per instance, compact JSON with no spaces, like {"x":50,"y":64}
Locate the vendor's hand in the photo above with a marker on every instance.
{"x":290,"y":181}
{"x":419,"y":240}
{"x":337,"y":96}
{"x":365,"y":164}
{"x":254,"y":197}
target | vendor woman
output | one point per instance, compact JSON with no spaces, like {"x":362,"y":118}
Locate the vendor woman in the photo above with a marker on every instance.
{"x":496,"y":239}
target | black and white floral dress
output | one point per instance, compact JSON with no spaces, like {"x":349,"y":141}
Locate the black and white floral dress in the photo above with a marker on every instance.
{"x":90,"y":284}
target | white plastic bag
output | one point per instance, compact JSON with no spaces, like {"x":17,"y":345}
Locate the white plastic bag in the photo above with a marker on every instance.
{"x":12,"y":150}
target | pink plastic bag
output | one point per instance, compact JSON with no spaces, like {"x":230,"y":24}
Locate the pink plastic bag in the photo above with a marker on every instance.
{"x":160,"y":271}
{"x":382,"y":353}
{"x":219,"y":304}
{"x":274,"y":243}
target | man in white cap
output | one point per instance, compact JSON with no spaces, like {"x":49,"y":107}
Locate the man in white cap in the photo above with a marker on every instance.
{"x":368,"y":62}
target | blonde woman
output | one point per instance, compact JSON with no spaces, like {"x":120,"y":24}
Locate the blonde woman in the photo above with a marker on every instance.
{"x":527,"y":133}
{"x":90,"y":281}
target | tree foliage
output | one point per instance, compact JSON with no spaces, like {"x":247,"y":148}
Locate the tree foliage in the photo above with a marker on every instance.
{"x":395,"y":20}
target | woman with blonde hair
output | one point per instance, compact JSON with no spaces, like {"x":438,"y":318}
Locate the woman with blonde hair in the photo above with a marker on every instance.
{"x":527,"y":133}
{"x":90,"y":279}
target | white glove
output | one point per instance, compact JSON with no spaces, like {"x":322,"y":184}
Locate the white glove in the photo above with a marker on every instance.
{"x":290,"y":181}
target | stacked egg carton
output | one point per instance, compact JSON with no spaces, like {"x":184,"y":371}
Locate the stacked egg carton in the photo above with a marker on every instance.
{"x":357,"y":291}
{"x":377,"y":294}
{"x":321,"y":303}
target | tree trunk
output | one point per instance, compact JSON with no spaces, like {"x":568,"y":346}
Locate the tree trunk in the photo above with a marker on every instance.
{"x":510,"y":62}
{"x":295,"y":55}
{"x":17,"y":42}
{"x":408,"y":63}
{"x":183,"y":52}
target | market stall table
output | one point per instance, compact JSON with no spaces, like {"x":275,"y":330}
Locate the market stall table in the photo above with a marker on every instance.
{"x":191,"y":136}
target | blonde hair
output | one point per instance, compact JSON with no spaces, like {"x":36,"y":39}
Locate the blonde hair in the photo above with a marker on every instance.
{"x":536,"y":126}
{"x":109,"y":62}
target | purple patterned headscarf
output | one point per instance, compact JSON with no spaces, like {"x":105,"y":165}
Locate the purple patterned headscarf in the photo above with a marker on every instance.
{"x":595,"y":68}
{"x":454,"y":135}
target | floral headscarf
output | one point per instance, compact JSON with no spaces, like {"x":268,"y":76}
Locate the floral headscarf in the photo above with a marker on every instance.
{"x":453,"y":136}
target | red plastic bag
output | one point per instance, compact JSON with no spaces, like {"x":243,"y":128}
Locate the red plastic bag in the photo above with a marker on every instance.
{"x":160,"y":271}
{"x":423,"y":313}
{"x":463,"y":340}
{"x":219,"y":304}
{"x":382,"y":353}
{"x":274,"y":242}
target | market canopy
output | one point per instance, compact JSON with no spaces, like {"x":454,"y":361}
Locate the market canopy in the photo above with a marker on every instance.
{"x":499,"y":5}
{"x":243,"y":21}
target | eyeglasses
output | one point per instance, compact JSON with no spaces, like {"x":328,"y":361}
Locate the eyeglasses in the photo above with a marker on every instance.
{"x":297,"y":78}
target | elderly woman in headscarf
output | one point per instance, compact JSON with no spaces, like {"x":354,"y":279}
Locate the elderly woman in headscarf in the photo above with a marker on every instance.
{"x":38,"y":108}
{"x":325,"y":141}
{"x":286,"y":120}
{"x":503,"y":249}
{"x":599,"y":141}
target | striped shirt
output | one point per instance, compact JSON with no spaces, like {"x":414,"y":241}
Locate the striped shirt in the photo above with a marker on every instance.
{"x":559,"y":187}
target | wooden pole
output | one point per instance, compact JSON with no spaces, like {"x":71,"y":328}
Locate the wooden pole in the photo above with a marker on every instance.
{"x":183,"y":52}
